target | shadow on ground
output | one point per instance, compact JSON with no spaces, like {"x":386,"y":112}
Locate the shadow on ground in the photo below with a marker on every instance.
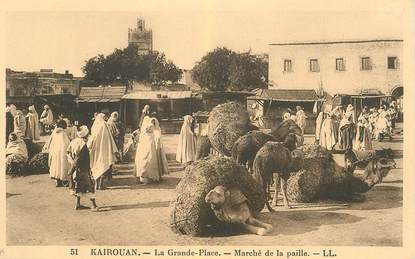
{"x":168,"y":182}
{"x":157,"y":204}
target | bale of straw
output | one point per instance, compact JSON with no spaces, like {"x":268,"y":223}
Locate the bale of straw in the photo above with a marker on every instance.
{"x":227,"y":122}
{"x":32,"y":148}
{"x":39,"y":164}
{"x":189,"y":213}
{"x":203,"y":147}
{"x":16,"y":165}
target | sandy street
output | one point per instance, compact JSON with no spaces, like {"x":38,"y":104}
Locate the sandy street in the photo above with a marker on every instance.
{"x":38,"y":213}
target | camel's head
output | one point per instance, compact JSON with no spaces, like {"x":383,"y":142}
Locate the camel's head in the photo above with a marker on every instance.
{"x":217,"y":196}
{"x":286,"y":127}
{"x":290,"y":141}
{"x":377,"y":170}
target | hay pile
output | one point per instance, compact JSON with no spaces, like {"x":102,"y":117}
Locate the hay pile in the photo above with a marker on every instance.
{"x":39,"y":163}
{"x":16,"y":165}
{"x":321,"y":178}
{"x":32,"y":148}
{"x":202,"y":147}
{"x":189,"y":213}
{"x":227,"y":122}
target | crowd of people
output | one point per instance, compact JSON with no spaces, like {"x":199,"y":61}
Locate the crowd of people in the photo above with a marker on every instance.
{"x":81,"y":158}
{"x":338,"y":129}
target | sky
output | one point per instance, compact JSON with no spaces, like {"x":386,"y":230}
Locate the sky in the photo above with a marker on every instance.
{"x":63,"y":38}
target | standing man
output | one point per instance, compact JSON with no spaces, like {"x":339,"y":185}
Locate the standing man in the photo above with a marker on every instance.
{"x":144,"y":113}
{"x":81,"y":180}
{"x":103,"y":150}
{"x":301,"y":118}
{"x":33,"y":130}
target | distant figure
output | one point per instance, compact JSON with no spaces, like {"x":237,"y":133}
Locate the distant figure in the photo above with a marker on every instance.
{"x":70,"y":129}
{"x":33,"y":128}
{"x":163,"y":166}
{"x":347,"y":131}
{"x":301,"y":118}
{"x":144,"y":113}
{"x":81,"y":179}
{"x":327,"y":134}
{"x":117,"y":130}
{"x":319,"y":122}
{"x":46,"y":119}
{"x":16,"y":147}
{"x":186,"y":148}
{"x":9,"y":122}
{"x":20,"y":122}
{"x":16,"y":155}
{"x":103,"y":150}
{"x":363,"y":139}
{"x":286,"y":115}
{"x":58,"y":162}
{"x":146,"y":162}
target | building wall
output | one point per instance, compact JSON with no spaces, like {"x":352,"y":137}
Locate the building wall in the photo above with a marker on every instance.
{"x":352,"y":80}
{"x":38,"y":83}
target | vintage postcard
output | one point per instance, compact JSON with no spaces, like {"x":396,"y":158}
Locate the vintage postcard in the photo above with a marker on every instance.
{"x":207,"y":129}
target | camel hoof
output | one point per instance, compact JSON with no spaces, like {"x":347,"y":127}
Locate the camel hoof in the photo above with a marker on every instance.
{"x":288,"y":206}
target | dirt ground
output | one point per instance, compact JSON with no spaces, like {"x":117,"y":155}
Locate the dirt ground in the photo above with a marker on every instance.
{"x":38,"y":213}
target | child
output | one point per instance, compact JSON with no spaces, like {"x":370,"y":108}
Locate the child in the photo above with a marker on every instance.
{"x":81,"y":181}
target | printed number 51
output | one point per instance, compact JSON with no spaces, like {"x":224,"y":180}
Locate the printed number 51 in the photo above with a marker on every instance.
{"x":74,"y":251}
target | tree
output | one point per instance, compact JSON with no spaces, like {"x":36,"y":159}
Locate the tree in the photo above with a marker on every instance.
{"x":223,"y":69}
{"x":126,"y":65}
{"x":212,"y":72}
{"x":248,"y":72}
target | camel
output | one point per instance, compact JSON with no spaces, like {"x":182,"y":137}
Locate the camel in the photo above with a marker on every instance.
{"x":230,"y":206}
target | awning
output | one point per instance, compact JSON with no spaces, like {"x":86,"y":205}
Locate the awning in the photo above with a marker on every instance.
{"x":158,"y":95}
{"x":96,"y":100}
{"x":101,"y":94}
{"x":286,"y":95}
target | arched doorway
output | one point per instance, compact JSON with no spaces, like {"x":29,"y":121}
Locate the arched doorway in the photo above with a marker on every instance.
{"x":397,"y":94}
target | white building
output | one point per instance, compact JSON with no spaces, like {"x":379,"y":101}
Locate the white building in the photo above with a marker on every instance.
{"x":346,"y":67}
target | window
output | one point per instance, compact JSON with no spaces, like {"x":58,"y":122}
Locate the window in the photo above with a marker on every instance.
{"x":288,"y":67}
{"x":392,"y":63}
{"x":314,"y":67}
{"x":340,"y":64}
{"x":366,"y":64}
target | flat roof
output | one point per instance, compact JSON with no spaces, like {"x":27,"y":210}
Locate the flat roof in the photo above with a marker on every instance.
{"x":334,"y":42}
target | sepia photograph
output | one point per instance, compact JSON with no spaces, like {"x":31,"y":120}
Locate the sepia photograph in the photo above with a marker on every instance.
{"x":205,"y":124}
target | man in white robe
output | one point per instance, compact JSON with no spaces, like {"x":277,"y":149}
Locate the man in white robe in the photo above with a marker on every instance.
{"x":33,"y":129}
{"x":146,"y":164}
{"x":186,"y":148}
{"x":327,"y":134}
{"x":57,"y":161}
{"x":20,"y":122}
{"x":103,"y":150}
{"x":163,"y":166}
